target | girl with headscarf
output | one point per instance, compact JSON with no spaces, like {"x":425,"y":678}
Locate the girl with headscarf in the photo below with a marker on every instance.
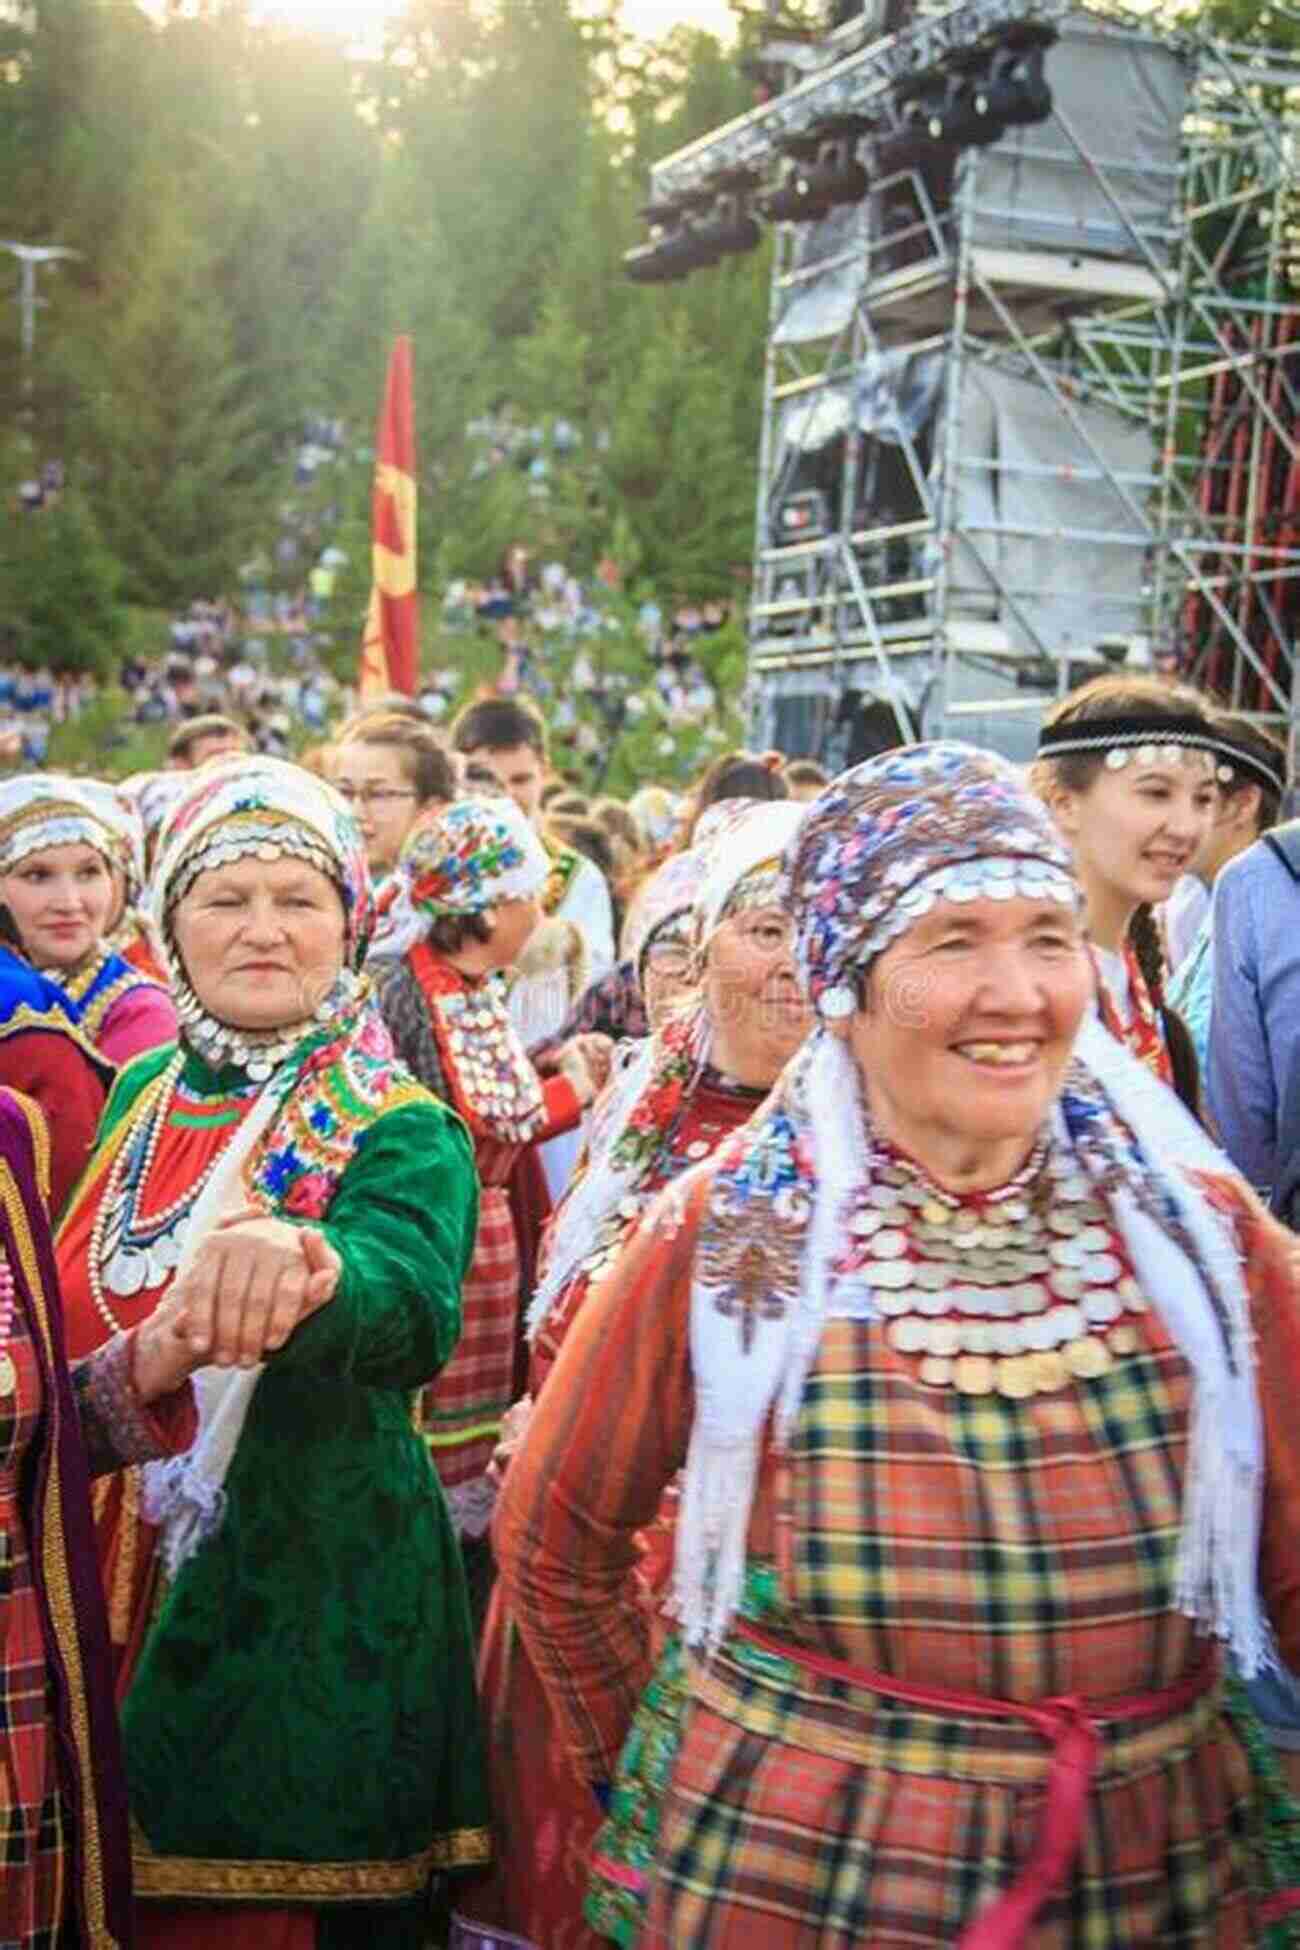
{"x":469,"y":884}
{"x":287,"y":1605}
{"x":956,"y":1343}
{"x":704,"y":1071}
{"x":62,"y":862}
{"x":1128,"y":766}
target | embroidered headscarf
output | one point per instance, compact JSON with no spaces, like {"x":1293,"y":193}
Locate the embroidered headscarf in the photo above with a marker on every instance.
{"x":153,"y":794}
{"x":42,"y":809}
{"x":668,"y":895}
{"x":267,"y":808}
{"x":878,"y":849}
{"x":635,"y":1117}
{"x":461,"y":859}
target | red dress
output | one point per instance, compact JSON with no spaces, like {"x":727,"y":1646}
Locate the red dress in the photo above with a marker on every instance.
{"x":198,"y":1127}
{"x":545,"y":1814}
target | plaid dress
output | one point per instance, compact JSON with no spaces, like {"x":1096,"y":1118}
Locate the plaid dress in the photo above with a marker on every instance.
{"x":33,"y":1865}
{"x":1013,"y":1549}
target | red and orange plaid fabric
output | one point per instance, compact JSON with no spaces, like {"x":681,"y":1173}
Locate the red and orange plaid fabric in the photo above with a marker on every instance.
{"x":1012,"y":1548}
{"x":33,"y":1869}
{"x":461,"y":1412}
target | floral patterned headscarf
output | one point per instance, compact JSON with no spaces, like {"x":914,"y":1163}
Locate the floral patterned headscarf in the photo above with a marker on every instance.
{"x":470,"y":855}
{"x":460,"y":859}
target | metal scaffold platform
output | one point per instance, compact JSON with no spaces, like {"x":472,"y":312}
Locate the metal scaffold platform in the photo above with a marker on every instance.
{"x":1031,"y":403}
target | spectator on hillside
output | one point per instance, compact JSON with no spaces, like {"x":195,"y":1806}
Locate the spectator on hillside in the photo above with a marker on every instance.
{"x":198,"y":740}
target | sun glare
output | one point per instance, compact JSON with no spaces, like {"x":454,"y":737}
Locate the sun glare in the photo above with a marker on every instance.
{"x":361,"y":22}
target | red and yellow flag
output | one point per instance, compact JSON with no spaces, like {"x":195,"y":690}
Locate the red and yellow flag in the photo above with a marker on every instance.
{"x":390,"y":642}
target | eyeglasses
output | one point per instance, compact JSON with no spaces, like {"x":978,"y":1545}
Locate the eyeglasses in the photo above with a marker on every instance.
{"x":666,"y":958}
{"x":375,"y":795}
{"x":768,"y":936}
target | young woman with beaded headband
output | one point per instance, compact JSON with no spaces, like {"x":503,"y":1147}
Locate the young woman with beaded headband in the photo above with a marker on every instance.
{"x":956,"y":1341}
{"x":678,"y":1096}
{"x":284,"y":1793}
{"x":67,"y":866}
{"x":1128,"y":766}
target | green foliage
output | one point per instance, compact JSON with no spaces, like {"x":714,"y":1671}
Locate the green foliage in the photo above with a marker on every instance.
{"x":258,"y":212}
{"x":105,"y":741}
{"x":59,"y":590}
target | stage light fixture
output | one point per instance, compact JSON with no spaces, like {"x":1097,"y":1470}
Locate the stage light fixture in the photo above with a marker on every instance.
{"x":837,"y":176}
{"x":1018,"y":91}
{"x":729,"y":229}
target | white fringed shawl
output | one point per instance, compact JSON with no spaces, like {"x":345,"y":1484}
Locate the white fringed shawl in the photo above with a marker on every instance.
{"x":804,"y":1161}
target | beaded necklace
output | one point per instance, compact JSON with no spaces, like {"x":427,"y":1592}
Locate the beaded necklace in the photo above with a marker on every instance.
{"x":1017,"y":1291}
{"x":678,"y":1144}
{"x":494,"y":1086}
{"x":130,"y":1253}
{"x":1142,"y":1033}
{"x":8,"y":1302}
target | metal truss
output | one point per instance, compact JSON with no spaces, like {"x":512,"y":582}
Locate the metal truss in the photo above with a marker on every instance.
{"x":1184,"y":329}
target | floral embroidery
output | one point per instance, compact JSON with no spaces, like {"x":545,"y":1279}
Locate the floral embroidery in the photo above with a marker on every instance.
{"x":329,"y":1100}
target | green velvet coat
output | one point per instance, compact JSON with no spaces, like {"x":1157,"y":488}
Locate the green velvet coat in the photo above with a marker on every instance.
{"x":302,"y":1723}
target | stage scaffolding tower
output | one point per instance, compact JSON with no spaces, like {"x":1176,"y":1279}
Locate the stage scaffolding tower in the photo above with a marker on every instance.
{"x":1030,"y":408}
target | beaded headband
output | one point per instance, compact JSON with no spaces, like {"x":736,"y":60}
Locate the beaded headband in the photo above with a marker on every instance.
{"x":1141,"y":738}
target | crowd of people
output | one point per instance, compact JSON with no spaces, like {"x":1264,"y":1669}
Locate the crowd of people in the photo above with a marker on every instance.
{"x":708,"y":1371}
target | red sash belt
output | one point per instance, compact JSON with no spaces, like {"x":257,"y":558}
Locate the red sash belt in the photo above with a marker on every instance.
{"x":1069,"y":1724}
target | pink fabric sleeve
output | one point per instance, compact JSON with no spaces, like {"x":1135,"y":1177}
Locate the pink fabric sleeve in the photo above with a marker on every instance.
{"x":144,"y":1018}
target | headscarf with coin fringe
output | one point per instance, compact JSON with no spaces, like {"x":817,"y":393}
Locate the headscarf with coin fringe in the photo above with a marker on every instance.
{"x":877,"y":850}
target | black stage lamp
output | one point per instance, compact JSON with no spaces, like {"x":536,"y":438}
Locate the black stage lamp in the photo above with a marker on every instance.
{"x":1018,"y":90}
{"x":730,"y":229}
{"x":790,"y":200}
{"x":678,"y":245}
{"x":837,"y":176}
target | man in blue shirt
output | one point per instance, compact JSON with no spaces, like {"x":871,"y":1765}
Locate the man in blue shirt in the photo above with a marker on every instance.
{"x":1251,"y":774}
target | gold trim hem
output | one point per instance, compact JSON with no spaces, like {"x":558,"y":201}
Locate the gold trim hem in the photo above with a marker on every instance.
{"x":182,"y":1878}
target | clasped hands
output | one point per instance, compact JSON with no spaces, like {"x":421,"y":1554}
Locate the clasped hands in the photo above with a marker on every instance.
{"x":253,"y":1280}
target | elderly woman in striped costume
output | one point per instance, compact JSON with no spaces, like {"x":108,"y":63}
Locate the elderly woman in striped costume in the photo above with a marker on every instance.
{"x":956,"y":1342}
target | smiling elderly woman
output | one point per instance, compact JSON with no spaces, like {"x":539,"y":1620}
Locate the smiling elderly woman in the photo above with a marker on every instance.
{"x":286,"y":1604}
{"x":953,"y":1342}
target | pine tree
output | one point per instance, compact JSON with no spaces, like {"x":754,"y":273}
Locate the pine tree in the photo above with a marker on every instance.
{"x":174,"y":449}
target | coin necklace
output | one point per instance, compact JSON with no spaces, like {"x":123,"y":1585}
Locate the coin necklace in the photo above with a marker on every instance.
{"x":128,"y":1253}
{"x":1019,"y":1291}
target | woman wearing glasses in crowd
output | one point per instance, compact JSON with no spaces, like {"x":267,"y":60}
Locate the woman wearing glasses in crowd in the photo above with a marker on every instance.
{"x":390,"y":770}
{"x":720,"y":1040}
